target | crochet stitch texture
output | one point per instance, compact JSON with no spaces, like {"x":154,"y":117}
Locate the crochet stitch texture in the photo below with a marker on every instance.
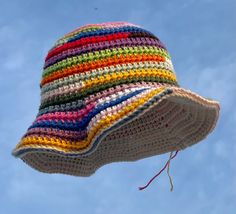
{"x":109,"y":93}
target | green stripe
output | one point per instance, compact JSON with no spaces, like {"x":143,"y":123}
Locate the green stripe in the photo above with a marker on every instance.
{"x":65,"y":39}
{"x":103,"y":54}
{"x":90,"y":75}
{"x":73,"y":97}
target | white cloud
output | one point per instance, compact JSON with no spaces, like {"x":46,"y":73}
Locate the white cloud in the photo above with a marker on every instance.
{"x":203,"y":175}
{"x":215,"y":81}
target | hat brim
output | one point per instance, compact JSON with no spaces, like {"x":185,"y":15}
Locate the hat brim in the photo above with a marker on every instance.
{"x":159,"y":120}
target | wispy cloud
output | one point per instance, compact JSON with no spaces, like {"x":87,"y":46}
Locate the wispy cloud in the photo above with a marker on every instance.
{"x":199,"y":36}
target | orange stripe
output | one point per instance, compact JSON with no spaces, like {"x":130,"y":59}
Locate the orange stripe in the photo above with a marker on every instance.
{"x":84,"y":67}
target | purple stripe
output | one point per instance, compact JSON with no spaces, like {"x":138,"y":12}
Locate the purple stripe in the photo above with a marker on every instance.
{"x":129,"y":42}
{"x":63,"y":134}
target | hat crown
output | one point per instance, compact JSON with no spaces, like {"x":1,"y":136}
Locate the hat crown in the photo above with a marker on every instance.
{"x":108,"y":94}
{"x":95,"y":57}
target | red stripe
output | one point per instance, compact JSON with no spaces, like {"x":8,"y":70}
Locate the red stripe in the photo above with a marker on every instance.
{"x":85,"y":41}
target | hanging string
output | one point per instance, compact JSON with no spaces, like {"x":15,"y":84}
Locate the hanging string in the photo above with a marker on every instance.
{"x":168,"y":172}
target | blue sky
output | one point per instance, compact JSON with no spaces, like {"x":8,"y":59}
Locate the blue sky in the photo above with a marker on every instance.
{"x":200,"y":36}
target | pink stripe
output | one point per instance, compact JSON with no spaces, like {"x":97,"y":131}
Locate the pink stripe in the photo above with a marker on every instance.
{"x":105,"y":25}
{"x":91,"y":102}
{"x":105,"y":93}
{"x":102,"y":25}
{"x":65,"y":116}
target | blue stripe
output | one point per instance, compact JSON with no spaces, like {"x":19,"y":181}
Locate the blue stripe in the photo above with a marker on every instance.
{"x":126,"y":119}
{"x":80,"y":126}
{"x":135,"y":114}
{"x":101,"y":32}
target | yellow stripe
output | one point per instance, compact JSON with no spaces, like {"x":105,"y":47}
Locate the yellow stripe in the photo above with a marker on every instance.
{"x":85,"y":29}
{"x":129,"y":74}
{"x":68,"y":146}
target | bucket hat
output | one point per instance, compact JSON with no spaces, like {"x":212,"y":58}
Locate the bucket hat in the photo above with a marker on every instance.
{"x":109,"y":93}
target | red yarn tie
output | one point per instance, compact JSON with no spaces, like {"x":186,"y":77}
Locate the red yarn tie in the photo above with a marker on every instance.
{"x":166,"y":165}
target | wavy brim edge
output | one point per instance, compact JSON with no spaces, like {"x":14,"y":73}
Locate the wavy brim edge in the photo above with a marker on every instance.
{"x":172,"y":119}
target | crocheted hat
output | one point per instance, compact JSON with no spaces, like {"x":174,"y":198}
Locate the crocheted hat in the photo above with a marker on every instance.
{"x":109,"y":93}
